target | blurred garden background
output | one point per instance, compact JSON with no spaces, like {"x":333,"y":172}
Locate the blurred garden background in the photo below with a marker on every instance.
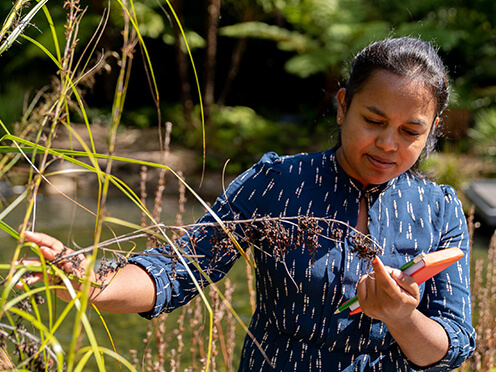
{"x":205,"y":88}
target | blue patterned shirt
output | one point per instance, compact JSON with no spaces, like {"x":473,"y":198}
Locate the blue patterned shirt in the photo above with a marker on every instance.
{"x":301,"y":280}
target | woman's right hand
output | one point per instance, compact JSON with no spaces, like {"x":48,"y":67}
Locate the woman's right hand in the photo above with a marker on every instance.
{"x":53,"y":249}
{"x":127,"y":290}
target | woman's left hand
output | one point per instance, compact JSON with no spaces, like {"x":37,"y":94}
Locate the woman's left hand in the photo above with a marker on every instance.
{"x":388,"y":294}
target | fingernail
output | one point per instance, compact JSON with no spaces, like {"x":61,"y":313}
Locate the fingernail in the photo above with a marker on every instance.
{"x":398,"y":274}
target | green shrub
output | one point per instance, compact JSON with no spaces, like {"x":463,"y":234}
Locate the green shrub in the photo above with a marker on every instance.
{"x":11,"y":104}
{"x":484,"y":132}
{"x":238,"y":134}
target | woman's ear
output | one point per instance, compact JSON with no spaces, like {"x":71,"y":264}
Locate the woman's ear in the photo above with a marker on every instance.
{"x":340,"y":97}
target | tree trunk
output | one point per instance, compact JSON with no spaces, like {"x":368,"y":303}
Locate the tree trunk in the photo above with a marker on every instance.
{"x":237,"y":55}
{"x":182,"y":67}
{"x":248,"y":14}
{"x":213,"y":14}
{"x":96,"y":6}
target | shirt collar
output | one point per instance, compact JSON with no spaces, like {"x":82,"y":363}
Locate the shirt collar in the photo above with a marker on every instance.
{"x":371,"y":190}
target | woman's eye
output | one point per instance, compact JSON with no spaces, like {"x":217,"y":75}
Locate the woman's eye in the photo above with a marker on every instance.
{"x":411,"y":133}
{"x":374,"y":122}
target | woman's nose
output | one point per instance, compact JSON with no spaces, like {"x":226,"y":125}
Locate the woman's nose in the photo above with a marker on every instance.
{"x":387,"y":140}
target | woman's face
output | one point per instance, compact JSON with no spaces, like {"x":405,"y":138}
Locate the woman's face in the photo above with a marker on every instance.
{"x":385,"y":128}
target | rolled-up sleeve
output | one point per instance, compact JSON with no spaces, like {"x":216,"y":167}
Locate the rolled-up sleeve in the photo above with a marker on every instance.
{"x":206,"y":254}
{"x":179,"y":272}
{"x":447,"y":298}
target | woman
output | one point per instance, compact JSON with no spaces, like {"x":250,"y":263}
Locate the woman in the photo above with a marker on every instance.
{"x":367,"y":185}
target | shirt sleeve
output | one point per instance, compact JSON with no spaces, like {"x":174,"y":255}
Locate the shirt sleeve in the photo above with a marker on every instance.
{"x":447,"y":298}
{"x":205,"y":253}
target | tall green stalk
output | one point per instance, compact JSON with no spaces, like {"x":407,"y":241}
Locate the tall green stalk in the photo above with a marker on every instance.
{"x":41,"y":121}
{"x":18,"y":24}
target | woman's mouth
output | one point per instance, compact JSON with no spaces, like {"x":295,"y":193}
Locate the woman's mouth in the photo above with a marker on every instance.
{"x":379,"y":162}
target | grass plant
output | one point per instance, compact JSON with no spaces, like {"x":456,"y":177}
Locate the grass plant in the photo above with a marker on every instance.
{"x":484,"y":313}
{"x":33,"y":143}
{"x":200,"y":336}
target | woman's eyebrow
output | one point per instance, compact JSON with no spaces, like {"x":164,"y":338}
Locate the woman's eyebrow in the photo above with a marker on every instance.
{"x":378,"y":111}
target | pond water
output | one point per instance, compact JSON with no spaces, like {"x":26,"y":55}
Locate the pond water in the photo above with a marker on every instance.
{"x":74,"y":225}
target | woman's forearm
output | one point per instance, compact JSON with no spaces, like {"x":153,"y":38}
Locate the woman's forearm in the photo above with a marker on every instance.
{"x":131,"y":290}
{"x":392,"y":296}
{"x":423,"y":340}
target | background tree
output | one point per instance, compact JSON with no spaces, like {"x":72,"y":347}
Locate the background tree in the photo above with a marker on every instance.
{"x":182,"y":65}
{"x":213,"y":13}
{"x":282,"y":59}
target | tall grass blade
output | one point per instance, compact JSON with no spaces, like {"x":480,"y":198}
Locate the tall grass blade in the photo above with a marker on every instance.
{"x":9,"y":230}
{"x":202,"y":113}
{"x":22,"y":25}
{"x":7,"y":24}
{"x":55,"y":39}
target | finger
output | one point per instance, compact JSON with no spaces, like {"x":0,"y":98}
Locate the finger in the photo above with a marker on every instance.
{"x":380,"y":271}
{"x":405,"y":282}
{"x":384,"y":279}
{"x":44,"y":240}
{"x":29,"y":261}
{"x":362,"y":290}
{"x":50,"y":247}
{"x":366,"y":287}
{"x":49,"y":253}
{"x":33,"y":278}
{"x":34,"y":261}
{"x":29,"y":279}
